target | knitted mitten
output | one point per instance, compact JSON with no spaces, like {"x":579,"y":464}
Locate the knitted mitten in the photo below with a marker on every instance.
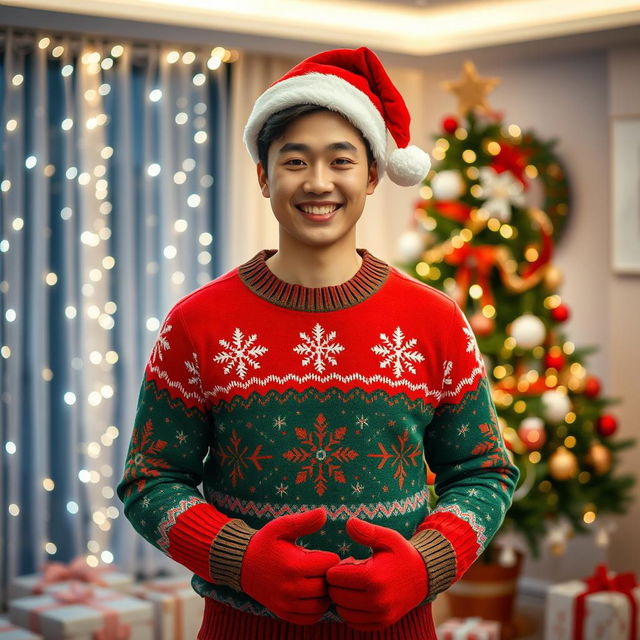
{"x":374,"y":593}
{"x":285,"y":577}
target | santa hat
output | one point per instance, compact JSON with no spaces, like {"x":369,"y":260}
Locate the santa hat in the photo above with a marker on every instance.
{"x":354,"y":83}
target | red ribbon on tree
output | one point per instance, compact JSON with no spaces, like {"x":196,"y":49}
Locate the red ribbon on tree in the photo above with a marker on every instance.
{"x":468,"y":258}
{"x":600,"y":581}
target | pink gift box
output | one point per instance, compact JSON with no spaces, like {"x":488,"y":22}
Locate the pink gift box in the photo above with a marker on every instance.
{"x":178,"y":609}
{"x":469,"y":629}
{"x":10,"y":631}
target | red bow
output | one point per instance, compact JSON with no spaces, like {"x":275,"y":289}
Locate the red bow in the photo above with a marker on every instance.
{"x":480,"y":259}
{"x":77,"y":569}
{"x":600,"y":581}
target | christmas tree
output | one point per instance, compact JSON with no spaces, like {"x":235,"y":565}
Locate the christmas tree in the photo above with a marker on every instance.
{"x":484,"y":230}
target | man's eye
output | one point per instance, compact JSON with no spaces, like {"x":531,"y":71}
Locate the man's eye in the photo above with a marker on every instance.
{"x":294,"y":160}
{"x":343,"y":160}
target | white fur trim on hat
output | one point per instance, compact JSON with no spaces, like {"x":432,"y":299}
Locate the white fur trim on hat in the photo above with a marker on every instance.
{"x":325,"y":90}
{"x":408,"y":166}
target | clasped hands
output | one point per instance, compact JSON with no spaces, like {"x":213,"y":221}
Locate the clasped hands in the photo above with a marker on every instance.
{"x":299,"y":584}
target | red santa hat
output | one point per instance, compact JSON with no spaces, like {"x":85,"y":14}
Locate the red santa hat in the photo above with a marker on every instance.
{"x":354,"y":83}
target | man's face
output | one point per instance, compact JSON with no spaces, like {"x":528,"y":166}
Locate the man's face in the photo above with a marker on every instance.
{"x":318,"y":179}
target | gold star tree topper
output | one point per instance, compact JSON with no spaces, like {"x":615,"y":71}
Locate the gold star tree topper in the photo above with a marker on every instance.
{"x":471,"y":89}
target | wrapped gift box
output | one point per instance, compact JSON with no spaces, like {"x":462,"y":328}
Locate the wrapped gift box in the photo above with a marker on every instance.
{"x":80,"y":611}
{"x":10,"y":631}
{"x":601,"y":607}
{"x":469,"y":629}
{"x":178,"y":609}
{"x":56,"y":573}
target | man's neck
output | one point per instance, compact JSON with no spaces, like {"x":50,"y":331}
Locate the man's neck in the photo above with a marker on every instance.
{"x":312,"y":267}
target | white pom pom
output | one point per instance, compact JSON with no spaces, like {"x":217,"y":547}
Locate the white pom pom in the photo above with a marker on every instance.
{"x":408,"y":166}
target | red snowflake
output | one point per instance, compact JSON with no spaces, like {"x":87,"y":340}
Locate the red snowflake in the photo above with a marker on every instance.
{"x":492,"y":448}
{"x":402,"y":455}
{"x":322,"y":457}
{"x":234,"y":457}
{"x":142,"y":461}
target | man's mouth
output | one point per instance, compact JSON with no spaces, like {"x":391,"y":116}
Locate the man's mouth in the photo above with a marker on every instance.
{"x":318,"y":210}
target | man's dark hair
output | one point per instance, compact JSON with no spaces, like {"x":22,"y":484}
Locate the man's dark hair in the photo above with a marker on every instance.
{"x":277,"y":123}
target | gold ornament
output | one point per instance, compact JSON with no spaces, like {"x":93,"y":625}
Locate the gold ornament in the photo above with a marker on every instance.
{"x":599,"y":458}
{"x":552,"y":278}
{"x":563,"y":464}
{"x":471,"y":89}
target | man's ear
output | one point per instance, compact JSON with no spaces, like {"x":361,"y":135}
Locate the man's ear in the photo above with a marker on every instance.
{"x":373,"y":178}
{"x":262,"y":180}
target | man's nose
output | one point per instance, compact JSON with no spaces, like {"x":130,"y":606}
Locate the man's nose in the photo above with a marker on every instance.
{"x":319,"y":180}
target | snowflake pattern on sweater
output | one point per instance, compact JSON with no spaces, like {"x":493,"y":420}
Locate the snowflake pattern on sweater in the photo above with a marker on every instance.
{"x":279,"y":399}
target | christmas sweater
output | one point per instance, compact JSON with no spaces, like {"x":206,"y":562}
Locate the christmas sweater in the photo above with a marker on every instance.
{"x":278,"y":398}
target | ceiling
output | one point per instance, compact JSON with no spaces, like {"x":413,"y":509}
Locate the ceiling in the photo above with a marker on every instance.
{"x":416,"y":33}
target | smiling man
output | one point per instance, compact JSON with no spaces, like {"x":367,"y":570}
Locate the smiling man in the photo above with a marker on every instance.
{"x":306,"y":388}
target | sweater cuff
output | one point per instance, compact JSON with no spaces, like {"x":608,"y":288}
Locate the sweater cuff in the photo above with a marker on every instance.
{"x":227,"y":553}
{"x":439,"y":558}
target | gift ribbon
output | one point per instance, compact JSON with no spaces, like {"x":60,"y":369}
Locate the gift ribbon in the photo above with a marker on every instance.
{"x":170,"y":589}
{"x":600,"y":581}
{"x":79,"y":593}
{"x":480,"y":259}
{"x":77,"y":569}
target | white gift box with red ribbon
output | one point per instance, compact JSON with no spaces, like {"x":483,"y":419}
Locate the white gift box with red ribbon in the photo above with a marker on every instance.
{"x":469,"y":629}
{"x":10,"y":631}
{"x":601,"y":607}
{"x":55,"y":573}
{"x":81,"y":612}
{"x":178,"y":609}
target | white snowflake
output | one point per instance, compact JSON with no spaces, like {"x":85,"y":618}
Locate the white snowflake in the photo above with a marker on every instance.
{"x":193,"y":369}
{"x":472,"y":492}
{"x":146,"y":501}
{"x":447,"y":366}
{"x":182,"y":438}
{"x":161,"y":343}
{"x":240,"y":353}
{"x":362,"y":422}
{"x":318,"y":349}
{"x":357,"y":488}
{"x":462,"y":431}
{"x":472,"y":345}
{"x":398,"y":353}
{"x":282,"y":489}
{"x":279,"y":422}
{"x":500,"y":191}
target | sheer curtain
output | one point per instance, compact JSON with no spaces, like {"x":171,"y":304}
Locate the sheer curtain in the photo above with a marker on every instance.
{"x":111,"y":174}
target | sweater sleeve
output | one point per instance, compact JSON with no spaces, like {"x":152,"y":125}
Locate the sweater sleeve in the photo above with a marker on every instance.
{"x":172,"y":435}
{"x":475,"y":478}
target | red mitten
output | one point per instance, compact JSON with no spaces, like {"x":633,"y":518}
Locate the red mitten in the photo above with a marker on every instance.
{"x":285,"y":577}
{"x":374,"y":593}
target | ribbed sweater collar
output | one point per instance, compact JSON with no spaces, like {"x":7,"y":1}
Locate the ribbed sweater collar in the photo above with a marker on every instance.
{"x":371,"y":275}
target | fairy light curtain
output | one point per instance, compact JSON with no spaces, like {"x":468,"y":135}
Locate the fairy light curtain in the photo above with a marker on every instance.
{"x":110,"y":192}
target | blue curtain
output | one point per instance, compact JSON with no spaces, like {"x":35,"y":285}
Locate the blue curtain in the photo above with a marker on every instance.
{"x":112,"y":179}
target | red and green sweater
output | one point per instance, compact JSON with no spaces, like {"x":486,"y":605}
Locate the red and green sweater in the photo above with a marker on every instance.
{"x":280,"y":398}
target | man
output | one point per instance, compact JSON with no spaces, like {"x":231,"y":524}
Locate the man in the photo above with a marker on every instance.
{"x":316,"y":379}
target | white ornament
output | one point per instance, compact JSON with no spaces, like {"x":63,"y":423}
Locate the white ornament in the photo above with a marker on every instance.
{"x":507,"y":556}
{"x":447,"y":185}
{"x":528,"y":331}
{"x":555,"y":405}
{"x":410,"y":246}
{"x":500,"y":191}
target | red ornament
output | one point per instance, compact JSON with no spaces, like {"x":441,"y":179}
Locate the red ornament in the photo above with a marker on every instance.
{"x":592,"y":387}
{"x":450,"y":124}
{"x":481,"y":325}
{"x":606,"y":425}
{"x":560,"y":313}
{"x":554,"y":360}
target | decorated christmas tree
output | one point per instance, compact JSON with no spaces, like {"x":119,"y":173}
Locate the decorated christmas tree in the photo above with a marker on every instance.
{"x":484,"y":230}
